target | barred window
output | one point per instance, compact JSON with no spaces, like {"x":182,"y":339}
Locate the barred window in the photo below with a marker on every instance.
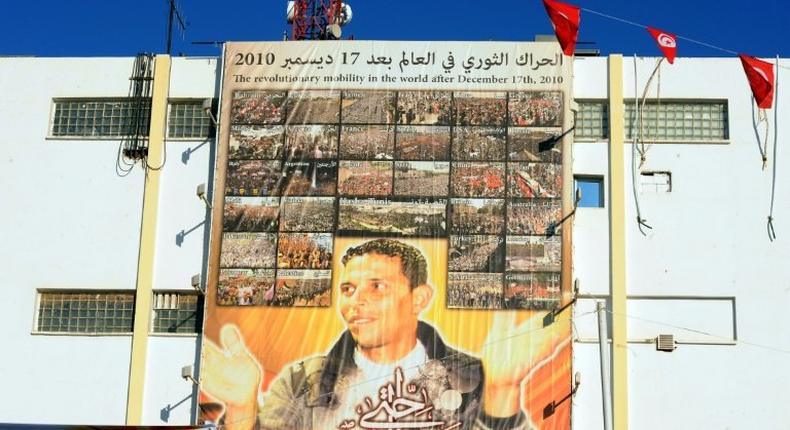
{"x":177,"y":313}
{"x":679,"y":120}
{"x":101,"y":117}
{"x":85,"y":312}
{"x":187,"y":120}
{"x":592,"y":120}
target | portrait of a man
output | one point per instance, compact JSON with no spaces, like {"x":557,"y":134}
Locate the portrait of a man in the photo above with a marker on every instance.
{"x":387,"y":350}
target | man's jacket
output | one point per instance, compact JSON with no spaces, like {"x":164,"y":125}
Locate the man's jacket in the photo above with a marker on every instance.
{"x":305,"y":395}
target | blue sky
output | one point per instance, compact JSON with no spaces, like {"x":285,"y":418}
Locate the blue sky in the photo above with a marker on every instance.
{"x":125,"y":27}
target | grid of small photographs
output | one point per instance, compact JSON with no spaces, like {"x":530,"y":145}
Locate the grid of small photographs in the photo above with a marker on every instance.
{"x":505,"y":201}
{"x":280,"y":199}
{"x":482,"y":169}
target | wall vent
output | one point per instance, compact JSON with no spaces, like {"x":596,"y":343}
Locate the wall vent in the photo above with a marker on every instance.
{"x":665,"y":342}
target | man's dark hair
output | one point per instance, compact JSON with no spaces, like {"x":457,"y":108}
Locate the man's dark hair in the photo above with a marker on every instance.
{"x":412,"y":261}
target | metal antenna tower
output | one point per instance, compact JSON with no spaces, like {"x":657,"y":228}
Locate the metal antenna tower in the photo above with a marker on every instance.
{"x":315,"y":19}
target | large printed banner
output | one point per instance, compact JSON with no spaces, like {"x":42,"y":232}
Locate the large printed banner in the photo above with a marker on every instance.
{"x":389,"y":239}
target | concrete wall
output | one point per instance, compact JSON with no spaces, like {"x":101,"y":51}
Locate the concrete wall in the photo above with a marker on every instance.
{"x":706,"y":265}
{"x":71,"y":221}
{"x":182,"y":237}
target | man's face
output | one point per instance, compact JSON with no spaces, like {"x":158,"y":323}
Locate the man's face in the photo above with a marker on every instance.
{"x":376,"y":301}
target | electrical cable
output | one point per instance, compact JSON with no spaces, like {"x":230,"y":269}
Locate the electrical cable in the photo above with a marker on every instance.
{"x":770,"y":226}
{"x":687,"y":39}
{"x":692,"y":330}
{"x":641,"y":222}
{"x":641,"y":111}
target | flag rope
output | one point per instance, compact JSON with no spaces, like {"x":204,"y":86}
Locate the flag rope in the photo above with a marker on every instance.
{"x":687,"y":39}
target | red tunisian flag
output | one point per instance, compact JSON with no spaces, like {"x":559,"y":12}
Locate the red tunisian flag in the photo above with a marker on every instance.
{"x":565,"y":19}
{"x":666,"y":41}
{"x":761,"y":78}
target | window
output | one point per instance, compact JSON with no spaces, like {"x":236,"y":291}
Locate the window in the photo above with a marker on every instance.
{"x":85,"y":312}
{"x":656,"y":182}
{"x":679,"y":120}
{"x":591,"y":189}
{"x":177,"y":313}
{"x":592,"y":120}
{"x":188,"y":120}
{"x":101,"y":117}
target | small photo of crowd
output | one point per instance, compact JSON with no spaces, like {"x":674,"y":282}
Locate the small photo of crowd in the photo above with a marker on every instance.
{"x":474,"y":291}
{"x":478,"y":179}
{"x":309,"y":178}
{"x":422,"y":178}
{"x":392,"y":217}
{"x":250,"y":142}
{"x":250,"y":214}
{"x":476,"y":254}
{"x":302,"y":288}
{"x":313,"y":107}
{"x":480,"y":108}
{"x":248,"y":250}
{"x":477,"y":216}
{"x":367,"y":142}
{"x":422,"y":143}
{"x":535,"y":109}
{"x":535,"y":180}
{"x":258,"y":107}
{"x":244,"y":287}
{"x":311,"y":141}
{"x":533,"y":253}
{"x":479,"y":143}
{"x":425,"y":107}
{"x":307,"y":214}
{"x":369,"y":107}
{"x":534,"y":291}
{"x":304,"y":251}
{"x":534,"y":217}
{"x":254,"y":178}
{"x":535,"y":145}
{"x":365,"y":178}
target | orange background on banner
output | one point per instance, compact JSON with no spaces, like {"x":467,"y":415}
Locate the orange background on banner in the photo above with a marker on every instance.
{"x":279,"y":336}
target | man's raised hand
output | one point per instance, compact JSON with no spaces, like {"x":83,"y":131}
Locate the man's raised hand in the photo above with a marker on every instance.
{"x":510,"y":353}
{"x":230,"y":372}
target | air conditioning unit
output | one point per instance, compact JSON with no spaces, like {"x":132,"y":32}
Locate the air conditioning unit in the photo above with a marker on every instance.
{"x":666,"y":342}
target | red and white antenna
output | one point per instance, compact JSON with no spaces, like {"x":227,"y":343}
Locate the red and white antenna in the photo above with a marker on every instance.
{"x":317,"y":19}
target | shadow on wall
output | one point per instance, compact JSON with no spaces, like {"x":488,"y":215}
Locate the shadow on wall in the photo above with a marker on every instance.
{"x":164,"y":414}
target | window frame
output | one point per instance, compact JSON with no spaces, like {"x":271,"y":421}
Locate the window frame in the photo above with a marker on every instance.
{"x":53,"y":109}
{"x":605,"y":125}
{"x":212,"y":129}
{"x":602,"y":195}
{"x":35,"y":330}
{"x":200,"y":307}
{"x":682,"y":140}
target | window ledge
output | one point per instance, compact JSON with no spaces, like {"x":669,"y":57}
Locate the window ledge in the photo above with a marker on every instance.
{"x":102,"y":138}
{"x":72,"y":334}
{"x":159,"y":334}
{"x":682,"y":142}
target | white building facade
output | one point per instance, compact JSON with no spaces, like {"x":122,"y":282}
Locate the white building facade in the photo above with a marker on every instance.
{"x":702,"y":268}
